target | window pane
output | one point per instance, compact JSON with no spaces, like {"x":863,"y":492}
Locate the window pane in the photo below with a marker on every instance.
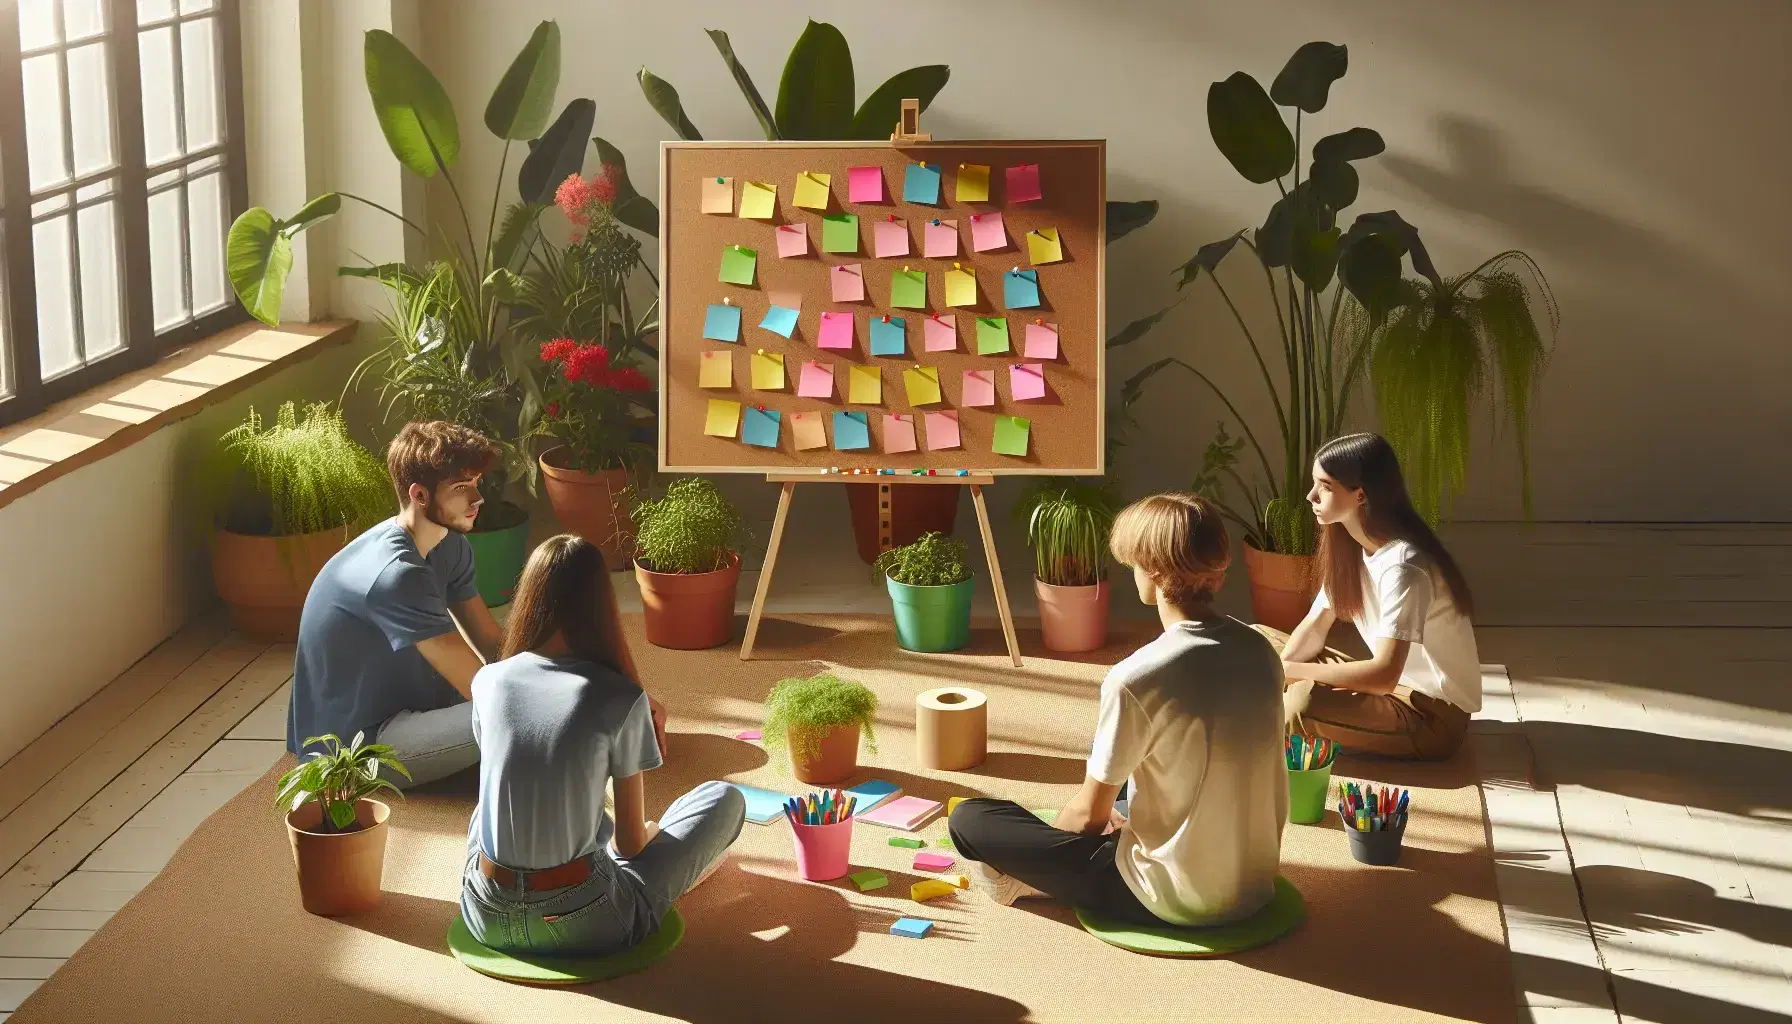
{"x":90,"y":103}
{"x":161,"y":132}
{"x":205,"y":223}
{"x":198,"y":62}
{"x":37,"y":23}
{"x":101,"y":323}
{"x":190,"y":6}
{"x":43,"y":121}
{"x":167,"y":255}
{"x":82,"y":19}
{"x":154,"y":10}
{"x":55,"y":297}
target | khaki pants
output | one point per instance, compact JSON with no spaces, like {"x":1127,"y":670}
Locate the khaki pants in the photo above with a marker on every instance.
{"x":1400,"y":724}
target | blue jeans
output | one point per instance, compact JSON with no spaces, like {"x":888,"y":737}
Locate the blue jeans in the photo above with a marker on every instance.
{"x":431,"y":744}
{"x":623,"y":901}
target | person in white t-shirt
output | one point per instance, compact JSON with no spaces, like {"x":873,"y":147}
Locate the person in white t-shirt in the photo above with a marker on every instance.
{"x":1194,"y":720}
{"x":1384,"y":570}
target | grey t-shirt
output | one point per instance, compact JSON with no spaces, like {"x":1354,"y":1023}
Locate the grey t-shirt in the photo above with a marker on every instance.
{"x":552,"y":732}
{"x":357,"y":662}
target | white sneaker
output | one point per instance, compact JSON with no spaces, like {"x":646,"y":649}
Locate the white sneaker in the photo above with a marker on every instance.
{"x":1004,"y":889}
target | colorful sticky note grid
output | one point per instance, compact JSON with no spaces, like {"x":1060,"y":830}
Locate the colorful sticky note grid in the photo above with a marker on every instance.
{"x":1020,"y":289}
{"x":942,"y":430}
{"x":723,"y":419}
{"x":779,"y":320}
{"x":816,"y":380}
{"x":812,"y":190}
{"x":979,"y":388}
{"x":722,"y":322}
{"x":865,"y":386}
{"x":889,"y":238}
{"x":961,"y":286}
{"x":908,"y":289}
{"x":939,"y":238}
{"x":793,"y":240}
{"x":1043,"y":246}
{"x":718,"y":195}
{"x":840,"y":232}
{"x":836,"y":331}
{"x":738,"y":264}
{"x":987,"y":233}
{"x":921,"y":184}
{"x":889,"y":336}
{"x":852,"y":431}
{"x":717,"y":370}
{"x":768,"y":370}
{"x":939,"y":332}
{"x":973,"y":183}
{"x":864,"y":184}
{"x":758,"y":200}
{"x":1026,"y":381}
{"x":922,"y":384}
{"x":761,"y":428}
{"x":1042,"y":341}
{"x":1023,"y":183}
{"x":1011,"y":435}
{"x":807,"y":431}
{"x":899,"y":433}
{"x":992,"y":335}
{"x":847,"y":283}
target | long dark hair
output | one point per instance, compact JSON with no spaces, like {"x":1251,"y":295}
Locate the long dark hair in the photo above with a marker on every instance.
{"x":566,"y":589}
{"x":1368,"y":461}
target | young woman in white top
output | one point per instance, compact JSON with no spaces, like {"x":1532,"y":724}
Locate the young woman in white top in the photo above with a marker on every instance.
{"x":1384,"y":570}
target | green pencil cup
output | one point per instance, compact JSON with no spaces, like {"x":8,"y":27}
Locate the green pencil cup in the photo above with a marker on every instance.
{"x":1306,"y":794}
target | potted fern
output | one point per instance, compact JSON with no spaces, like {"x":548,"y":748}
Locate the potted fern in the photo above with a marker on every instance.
{"x":687,"y":562}
{"x":819,"y":720}
{"x":283,"y":498}
{"x":338,"y":830}
{"x":1068,"y":525}
{"x":930,"y":592}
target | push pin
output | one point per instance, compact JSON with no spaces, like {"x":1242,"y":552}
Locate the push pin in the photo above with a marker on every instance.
{"x":923,"y":163}
{"x":930,"y":472}
{"x":892,"y":218}
{"x":1014,"y":270}
{"x":1039,"y":320}
{"x":976,"y":216}
{"x":719,"y":181}
{"x":936,"y":222}
{"x":886,"y":318}
{"x":964,"y":472}
{"x":726,"y":301}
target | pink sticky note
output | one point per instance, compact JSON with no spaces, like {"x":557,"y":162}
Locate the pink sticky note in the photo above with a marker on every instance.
{"x":793,"y":240}
{"x":987,"y":233}
{"x":1026,"y":381}
{"x":817,"y":380}
{"x":899,"y":432}
{"x":1042,"y":341}
{"x":979,"y":388}
{"x":836,"y":331}
{"x":1023,"y":183}
{"x":940,"y":238}
{"x":864,"y":184}
{"x":891,"y":238}
{"x":941,"y":333}
{"x":848,"y":283}
{"x":942,"y":430}
{"x":932,"y":862}
{"x":749,"y":734}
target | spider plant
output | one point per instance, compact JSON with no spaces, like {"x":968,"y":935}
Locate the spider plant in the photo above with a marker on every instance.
{"x":1068,"y":524}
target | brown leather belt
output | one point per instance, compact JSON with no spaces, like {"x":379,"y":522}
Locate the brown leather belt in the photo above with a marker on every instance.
{"x":570,"y":873}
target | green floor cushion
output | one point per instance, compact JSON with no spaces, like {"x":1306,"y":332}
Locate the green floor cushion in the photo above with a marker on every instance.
{"x":563,"y":970}
{"x":1284,"y":911}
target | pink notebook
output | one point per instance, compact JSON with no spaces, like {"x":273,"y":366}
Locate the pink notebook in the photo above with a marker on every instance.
{"x":906,"y":813}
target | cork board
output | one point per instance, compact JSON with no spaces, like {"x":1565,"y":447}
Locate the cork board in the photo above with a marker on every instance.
{"x":1065,"y":435}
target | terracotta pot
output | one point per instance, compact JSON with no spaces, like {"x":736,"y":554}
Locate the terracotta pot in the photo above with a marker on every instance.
{"x":912,"y":512}
{"x":1072,"y":618}
{"x":1282,"y":587}
{"x":838,"y":759}
{"x":689,"y":611}
{"x":592,"y":506}
{"x":265,"y":579}
{"x":339,"y":873}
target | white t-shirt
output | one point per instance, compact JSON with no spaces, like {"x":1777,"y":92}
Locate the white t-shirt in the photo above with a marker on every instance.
{"x":1195,"y":719}
{"x":1401,"y":599}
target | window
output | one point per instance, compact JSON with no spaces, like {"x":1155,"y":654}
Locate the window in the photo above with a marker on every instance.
{"x":121,"y":168}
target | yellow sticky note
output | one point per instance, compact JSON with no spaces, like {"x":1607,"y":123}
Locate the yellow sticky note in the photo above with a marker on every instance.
{"x":758,"y":200}
{"x":922,"y":384}
{"x":1043,"y":246}
{"x":718,"y":370}
{"x":952,"y":802}
{"x":973,"y":183}
{"x":768,"y":371}
{"x":866,"y":386}
{"x":723,"y":419}
{"x":929,"y":889}
{"x":812,"y":190}
{"x":961,"y":287}
{"x":718,"y":195}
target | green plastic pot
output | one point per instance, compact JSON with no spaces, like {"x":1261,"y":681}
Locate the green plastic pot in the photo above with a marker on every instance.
{"x":932,"y":618}
{"x":498,"y":558}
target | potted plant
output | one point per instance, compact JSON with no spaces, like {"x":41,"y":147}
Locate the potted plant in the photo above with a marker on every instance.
{"x":687,"y":562}
{"x":930,"y":591}
{"x":819,"y":720}
{"x":1068,"y":525}
{"x":283,"y":498}
{"x":338,"y":830}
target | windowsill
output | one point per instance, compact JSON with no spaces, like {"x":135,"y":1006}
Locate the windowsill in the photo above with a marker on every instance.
{"x":115,"y":415}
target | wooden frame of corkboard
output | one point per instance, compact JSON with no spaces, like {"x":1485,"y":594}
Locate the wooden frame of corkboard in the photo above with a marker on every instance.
{"x":1067,"y":435}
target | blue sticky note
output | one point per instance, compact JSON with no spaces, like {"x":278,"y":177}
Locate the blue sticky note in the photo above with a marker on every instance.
{"x":778,"y":319}
{"x":760,"y":427}
{"x":1020,"y":289}
{"x":763,"y":805}
{"x":921,"y":184}
{"x":889,"y":339}
{"x":852,"y":431}
{"x":911,"y":927}
{"x":722,"y":323}
{"x":870,"y":793}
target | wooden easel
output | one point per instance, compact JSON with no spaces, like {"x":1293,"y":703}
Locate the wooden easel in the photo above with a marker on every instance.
{"x":976,"y":482}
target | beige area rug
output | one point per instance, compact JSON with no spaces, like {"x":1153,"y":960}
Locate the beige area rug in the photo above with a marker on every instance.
{"x":219,"y":935}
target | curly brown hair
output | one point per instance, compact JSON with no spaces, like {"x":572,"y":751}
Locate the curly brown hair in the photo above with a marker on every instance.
{"x":435,"y":452}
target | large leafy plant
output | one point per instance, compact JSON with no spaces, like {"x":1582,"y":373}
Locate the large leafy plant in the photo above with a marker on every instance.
{"x":691,"y":529}
{"x":931,"y":560}
{"x":294,"y":476}
{"x":1068,"y":524}
{"x":337,"y":777}
{"x":801,"y":711}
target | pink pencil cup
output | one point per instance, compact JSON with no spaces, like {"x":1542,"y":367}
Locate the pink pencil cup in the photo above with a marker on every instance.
{"x":821,"y":850}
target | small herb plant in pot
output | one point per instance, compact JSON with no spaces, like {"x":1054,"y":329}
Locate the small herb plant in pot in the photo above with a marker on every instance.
{"x":930,"y":591}
{"x":819,"y":719}
{"x":338,"y":830}
{"x":1068,"y":525}
{"x":687,"y":561}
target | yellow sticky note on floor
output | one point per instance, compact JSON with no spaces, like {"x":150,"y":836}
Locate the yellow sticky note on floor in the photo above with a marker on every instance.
{"x":865,"y":386}
{"x":723,"y":419}
{"x":961,"y":287}
{"x":973,"y":183}
{"x":758,"y":200}
{"x":922,"y":384}
{"x":718,"y":370}
{"x":812,"y":190}
{"x":1043,"y":246}
{"x":930,"y":889}
{"x":768,"y":370}
{"x":718,"y":195}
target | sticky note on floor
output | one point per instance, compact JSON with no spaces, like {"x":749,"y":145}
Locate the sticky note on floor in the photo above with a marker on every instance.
{"x":869,"y":879}
{"x":738,"y":264}
{"x":722,"y":322}
{"x":1026,"y":381}
{"x":930,"y":889}
{"x":758,"y":200}
{"x":889,"y":336}
{"x":1043,"y":246}
{"x":1042,"y":341}
{"x":921,"y":184}
{"x":761,"y":427}
{"x":939,"y":332}
{"x":933,"y":862}
{"x":911,"y":927}
{"x":907,"y":843}
{"x":852,"y":431}
{"x":889,"y":238}
{"x":807,"y":431}
{"x":1023,"y":183}
{"x":942,"y":430}
{"x":1020,"y":289}
{"x":717,"y":371}
{"x":816,"y":380}
{"x":979,"y":388}
{"x":847,"y":283}
{"x":952,"y":803}
{"x":864,"y":184}
{"x":922,"y":384}
{"x":812,"y":190}
{"x":865,"y":386}
{"x":973,"y":183}
{"x":793,"y":240}
{"x":939,"y":237}
{"x":779,"y":320}
{"x":723,"y":419}
{"x":1011,"y":435}
{"x":961,"y":286}
{"x":899,"y":433}
{"x":768,"y":371}
{"x":987,"y":232}
{"x":718,"y":195}
{"x":992,"y":335}
{"x":835,"y":332}
{"x":908,"y":289}
{"x":840,"y":232}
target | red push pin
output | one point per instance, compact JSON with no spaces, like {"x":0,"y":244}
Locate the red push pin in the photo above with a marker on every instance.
{"x":892,"y":218}
{"x":886,"y":318}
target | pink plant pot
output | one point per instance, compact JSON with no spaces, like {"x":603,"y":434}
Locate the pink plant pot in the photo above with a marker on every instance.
{"x":1072,"y":618}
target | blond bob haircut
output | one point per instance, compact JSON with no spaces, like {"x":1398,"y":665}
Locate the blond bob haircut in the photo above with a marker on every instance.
{"x":1179,"y":541}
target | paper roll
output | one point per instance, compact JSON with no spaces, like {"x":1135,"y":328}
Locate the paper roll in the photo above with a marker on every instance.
{"x":952,"y":727}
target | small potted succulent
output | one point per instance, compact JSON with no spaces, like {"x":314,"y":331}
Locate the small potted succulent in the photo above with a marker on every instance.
{"x":1068,"y":525}
{"x":930,"y":591}
{"x":687,"y":562}
{"x":819,"y":720}
{"x":338,"y":830}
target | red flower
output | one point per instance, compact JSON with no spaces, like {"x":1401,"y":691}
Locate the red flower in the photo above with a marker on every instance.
{"x":558,"y":350}
{"x":588,"y":363}
{"x":571,"y":197}
{"x":553,"y":410}
{"x":630,"y":379}
{"x":603,"y":187}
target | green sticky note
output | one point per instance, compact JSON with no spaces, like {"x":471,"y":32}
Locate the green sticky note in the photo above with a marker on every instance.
{"x":992,"y":335}
{"x":913,"y":844}
{"x":868,"y":880}
{"x":738,"y":264}
{"x":1011,"y":435}
{"x":946,"y":843}
{"x":908,"y":289}
{"x":840,"y":232}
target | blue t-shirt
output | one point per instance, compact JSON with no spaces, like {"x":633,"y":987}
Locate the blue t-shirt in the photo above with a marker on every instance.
{"x":357,"y":662}
{"x":552,"y":732}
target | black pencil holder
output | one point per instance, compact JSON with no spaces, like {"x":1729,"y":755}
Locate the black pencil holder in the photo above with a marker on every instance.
{"x":1379,"y":848}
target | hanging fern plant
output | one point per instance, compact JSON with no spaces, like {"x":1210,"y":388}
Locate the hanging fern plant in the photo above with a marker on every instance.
{"x":294,"y":476}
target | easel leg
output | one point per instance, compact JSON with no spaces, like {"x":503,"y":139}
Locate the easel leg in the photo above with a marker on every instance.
{"x":765,"y":571}
{"x":995,"y":574}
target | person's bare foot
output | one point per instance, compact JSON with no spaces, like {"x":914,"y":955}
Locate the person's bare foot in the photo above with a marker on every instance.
{"x":1004,"y":889}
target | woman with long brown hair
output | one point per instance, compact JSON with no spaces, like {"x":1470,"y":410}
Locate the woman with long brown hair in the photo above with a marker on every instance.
{"x":558,"y":720}
{"x":1384,"y":570}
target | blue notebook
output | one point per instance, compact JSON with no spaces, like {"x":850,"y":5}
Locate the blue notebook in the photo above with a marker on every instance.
{"x":763,"y":805}
{"x":872,"y":792}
